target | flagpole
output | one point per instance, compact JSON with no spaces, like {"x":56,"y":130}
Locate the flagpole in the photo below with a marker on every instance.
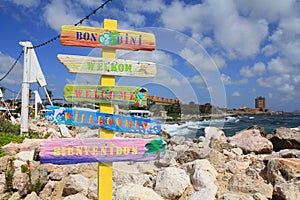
{"x":25,"y":89}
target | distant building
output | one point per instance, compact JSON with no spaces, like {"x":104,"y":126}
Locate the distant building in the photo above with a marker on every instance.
{"x":260,"y":103}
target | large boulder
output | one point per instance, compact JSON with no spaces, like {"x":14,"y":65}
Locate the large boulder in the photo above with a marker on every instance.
{"x":135,"y":192}
{"x":285,"y":138}
{"x":241,"y":183}
{"x":171,"y":182}
{"x":251,"y":141}
{"x":74,"y":184}
{"x":281,"y":170}
{"x":203,"y":181}
{"x":289,"y":190}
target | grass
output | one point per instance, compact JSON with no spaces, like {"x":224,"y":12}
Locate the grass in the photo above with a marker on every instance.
{"x":11,"y":133}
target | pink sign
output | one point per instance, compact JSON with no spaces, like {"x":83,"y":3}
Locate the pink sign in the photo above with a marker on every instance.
{"x":75,"y":150}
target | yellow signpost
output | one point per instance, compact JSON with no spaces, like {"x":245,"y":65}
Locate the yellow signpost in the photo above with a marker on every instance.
{"x":105,"y":169}
{"x":109,"y":39}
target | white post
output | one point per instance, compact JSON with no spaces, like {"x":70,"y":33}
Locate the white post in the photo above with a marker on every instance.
{"x":25,"y":89}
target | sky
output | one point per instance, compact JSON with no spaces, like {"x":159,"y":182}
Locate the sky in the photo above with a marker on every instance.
{"x":223,"y":52}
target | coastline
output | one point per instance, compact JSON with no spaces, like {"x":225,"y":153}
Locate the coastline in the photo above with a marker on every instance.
{"x":213,"y":166}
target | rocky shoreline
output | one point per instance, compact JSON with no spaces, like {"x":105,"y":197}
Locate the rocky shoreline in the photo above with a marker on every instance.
{"x":247,"y":166}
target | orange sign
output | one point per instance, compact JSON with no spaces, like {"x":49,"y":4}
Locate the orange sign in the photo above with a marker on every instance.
{"x":106,"y":38}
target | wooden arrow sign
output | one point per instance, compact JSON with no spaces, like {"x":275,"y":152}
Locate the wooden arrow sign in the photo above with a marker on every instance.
{"x":105,"y":38}
{"x":93,"y":119}
{"x":107,"y":66}
{"x":75,"y":150}
{"x":106,"y":94}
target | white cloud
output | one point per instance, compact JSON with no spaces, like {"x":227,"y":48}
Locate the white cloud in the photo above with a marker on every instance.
{"x":58,"y":13}
{"x":182,"y":17}
{"x":15,"y":76}
{"x":276,"y":66}
{"x":257,"y":70}
{"x":228,"y":81}
{"x":26,"y":3}
{"x":138,"y":5}
{"x":258,"y":9}
{"x":236,"y":94}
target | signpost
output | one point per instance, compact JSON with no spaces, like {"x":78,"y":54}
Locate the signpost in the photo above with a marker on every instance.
{"x":106,"y":94}
{"x":93,"y":119}
{"x":106,"y":66}
{"x":75,"y":150}
{"x":105,"y":149}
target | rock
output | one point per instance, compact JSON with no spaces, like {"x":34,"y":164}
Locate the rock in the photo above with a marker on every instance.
{"x":191,"y":154}
{"x":21,"y":183}
{"x":64,"y":131}
{"x":3,"y":163}
{"x":47,"y":190}
{"x":2,"y":183}
{"x":289,"y":190}
{"x":169,"y":159}
{"x":39,"y":174}
{"x":214,"y":136}
{"x":260,"y":129}
{"x":202,"y":164}
{"x":84,"y":132}
{"x":15,"y":196}
{"x":77,"y":196}
{"x":93,"y":190}
{"x":285,"y":153}
{"x":25,"y":155}
{"x":281,"y":170}
{"x":11,"y":148}
{"x":30,"y":144}
{"x":216,"y":158}
{"x":177,"y":140}
{"x":229,"y":196}
{"x":237,"y":151}
{"x":251,"y":141}
{"x":124,"y":178}
{"x":248,"y":185}
{"x":234,"y":166}
{"x":203,"y":181}
{"x":74,"y":184}
{"x":32,"y":196}
{"x":135,"y":192}
{"x":285,"y":138}
{"x":171,"y":182}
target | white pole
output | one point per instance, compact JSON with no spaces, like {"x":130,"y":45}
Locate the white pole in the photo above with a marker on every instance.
{"x":25,"y":89}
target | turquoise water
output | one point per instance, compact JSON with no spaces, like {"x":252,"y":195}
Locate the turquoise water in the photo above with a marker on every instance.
{"x":231,"y":126}
{"x":268,"y":122}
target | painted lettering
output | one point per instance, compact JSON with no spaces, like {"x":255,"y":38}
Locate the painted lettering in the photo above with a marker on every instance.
{"x":86,"y":36}
{"x":79,"y":150}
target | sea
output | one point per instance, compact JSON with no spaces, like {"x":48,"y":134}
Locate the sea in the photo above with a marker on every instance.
{"x":232,"y":125}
